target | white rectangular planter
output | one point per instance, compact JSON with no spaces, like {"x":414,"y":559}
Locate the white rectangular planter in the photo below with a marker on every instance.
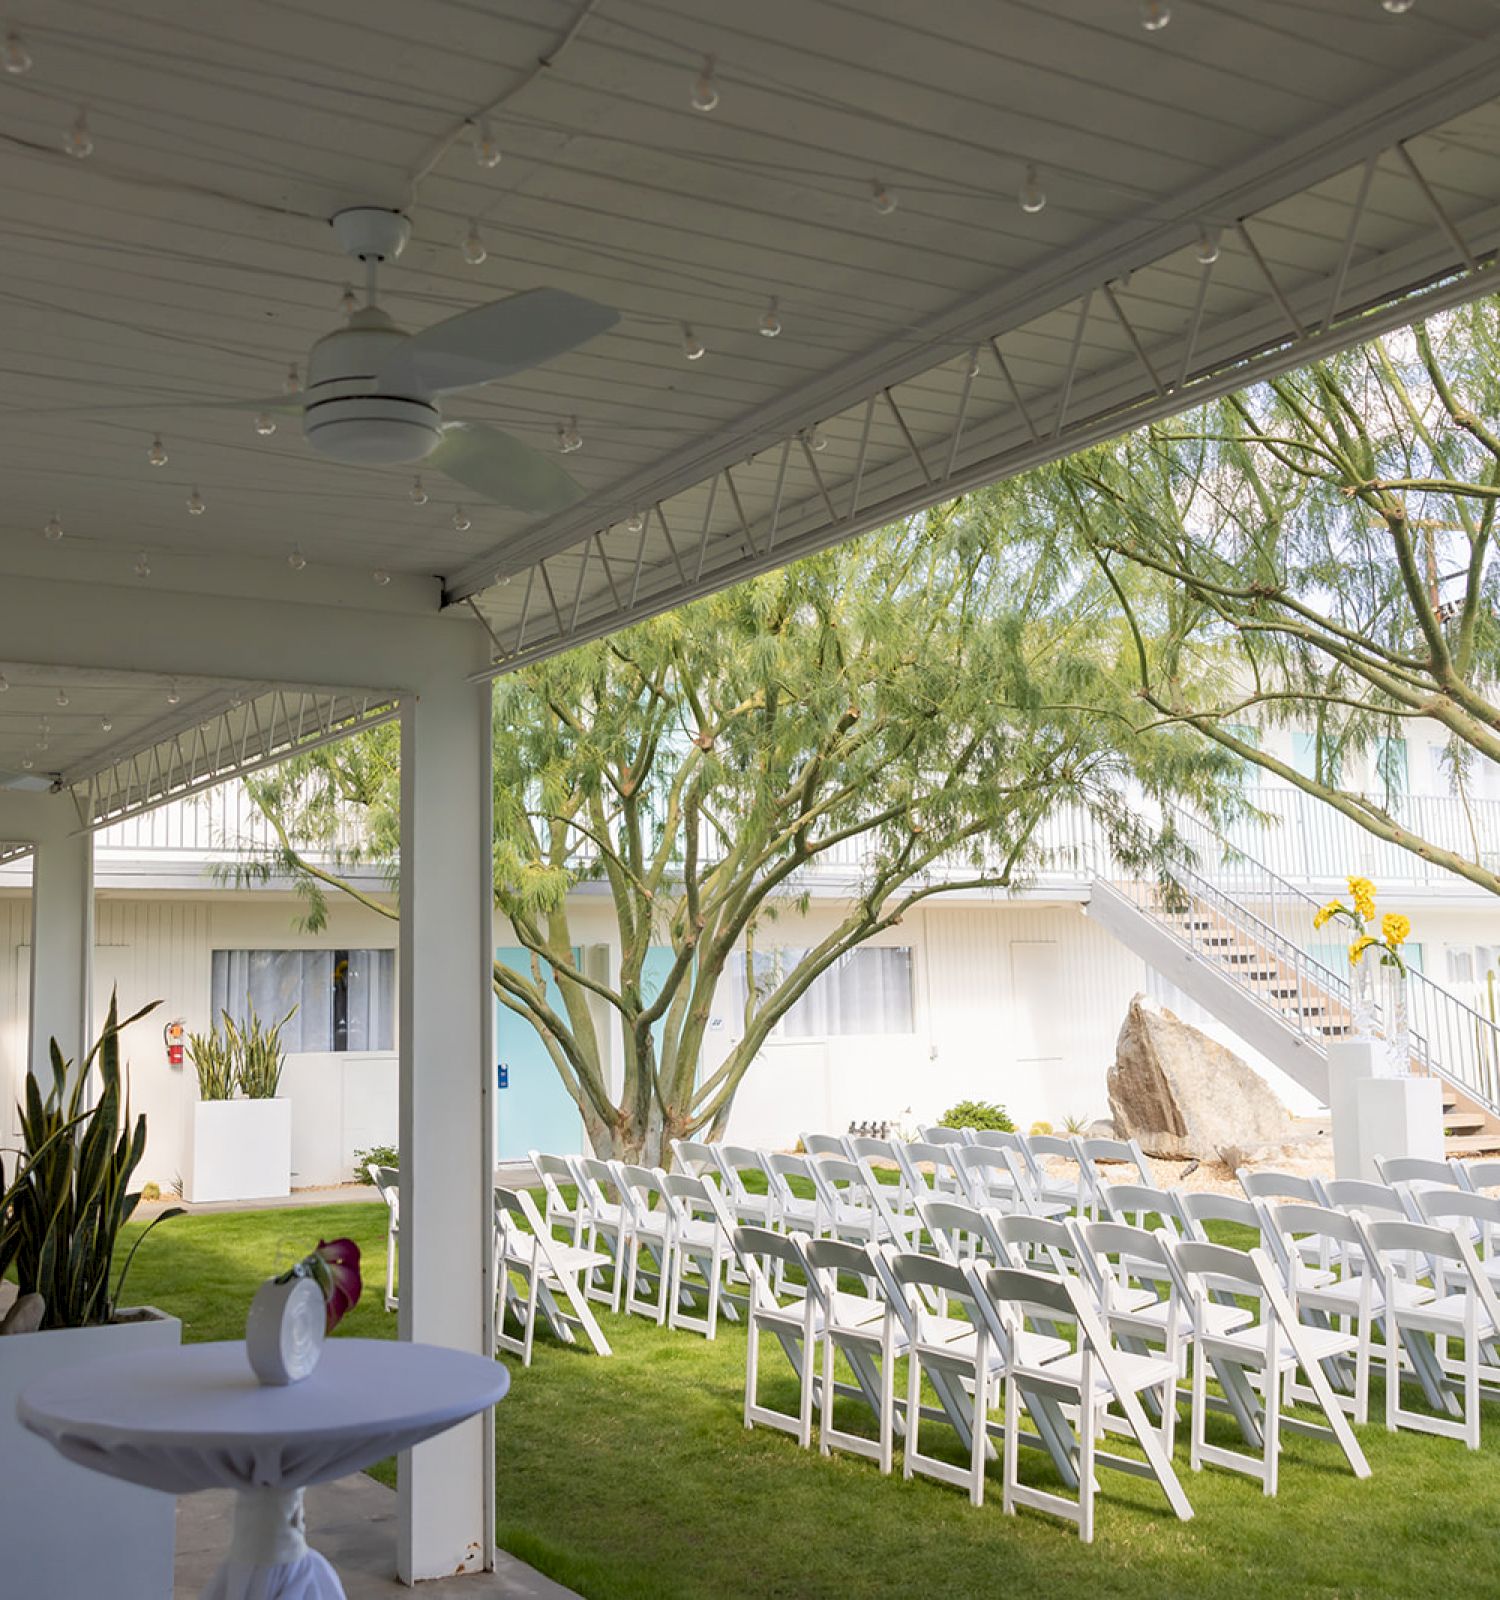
{"x":66,"y":1531}
{"x":239,"y":1150}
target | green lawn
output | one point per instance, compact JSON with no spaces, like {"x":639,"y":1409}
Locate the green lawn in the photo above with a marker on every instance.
{"x":633,"y":1477}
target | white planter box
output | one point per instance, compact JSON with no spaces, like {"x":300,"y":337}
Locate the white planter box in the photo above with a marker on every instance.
{"x":239,"y":1150}
{"x":65,"y":1531}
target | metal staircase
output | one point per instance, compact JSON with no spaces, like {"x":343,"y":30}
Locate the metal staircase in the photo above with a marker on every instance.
{"x":1240,"y":941}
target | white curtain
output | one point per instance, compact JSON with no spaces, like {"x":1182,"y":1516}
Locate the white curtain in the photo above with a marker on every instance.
{"x":866,"y":991}
{"x":371,"y":1000}
{"x":272,"y":981}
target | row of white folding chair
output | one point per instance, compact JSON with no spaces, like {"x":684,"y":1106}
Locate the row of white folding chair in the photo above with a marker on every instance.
{"x":551,"y":1275}
{"x":1081,"y":1187}
{"x":388,"y":1181}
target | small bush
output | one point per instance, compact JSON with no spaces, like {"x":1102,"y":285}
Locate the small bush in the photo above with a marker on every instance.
{"x":977,"y":1114}
{"x":381,"y":1155}
{"x":150,"y":1191}
{"x":1040,"y":1127}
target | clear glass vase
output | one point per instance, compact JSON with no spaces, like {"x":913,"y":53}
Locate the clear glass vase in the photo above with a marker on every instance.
{"x":1395,"y":1018}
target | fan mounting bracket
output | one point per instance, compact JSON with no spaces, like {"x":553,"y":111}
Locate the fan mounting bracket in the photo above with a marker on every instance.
{"x":371,"y":233}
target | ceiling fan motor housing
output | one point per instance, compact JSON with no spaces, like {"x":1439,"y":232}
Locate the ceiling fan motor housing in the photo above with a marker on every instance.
{"x":346,"y":413}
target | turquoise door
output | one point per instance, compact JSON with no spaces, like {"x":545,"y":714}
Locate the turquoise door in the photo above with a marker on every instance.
{"x":533,"y":1111}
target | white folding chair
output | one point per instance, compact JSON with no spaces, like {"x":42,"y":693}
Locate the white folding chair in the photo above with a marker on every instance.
{"x":755,"y":1206}
{"x":1089,"y":1380}
{"x":938,"y":1134}
{"x":552,"y":1173}
{"x":825,"y":1144}
{"x":989,"y":1176}
{"x":604,"y":1219}
{"x":1125,"y":1153}
{"x":1374,"y":1199}
{"x":796,"y":1326}
{"x":388,"y":1181}
{"x":650,"y":1240}
{"x":701,"y":1225}
{"x":1272,"y":1185}
{"x":947,"y":1176}
{"x":1069,"y":1189}
{"x":792,"y":1211}
{"x":1479,"y":1175}
{"x":961,"y":1232}
{"x":870,"y":1346}
{"x":526,"y":1249}
{"x":695,"y":1157}
{"x":1424,"y":1172}
{"x":1475,"y":1215}
{"x":1268,"y":1351}
{"x":1143,"y":1205}
{"x":881,"y":1153}
{"x":1463,"y":1309}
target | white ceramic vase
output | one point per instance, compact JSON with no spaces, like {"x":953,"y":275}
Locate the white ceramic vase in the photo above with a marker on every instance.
{"x":285,"y":1329}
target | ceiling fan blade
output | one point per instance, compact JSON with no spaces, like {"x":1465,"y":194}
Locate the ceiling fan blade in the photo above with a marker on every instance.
{"x":501,"y":468}
{"x":494,"y":341}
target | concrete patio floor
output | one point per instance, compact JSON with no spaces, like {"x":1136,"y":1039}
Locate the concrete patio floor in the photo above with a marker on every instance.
{"x":353,"y":1523}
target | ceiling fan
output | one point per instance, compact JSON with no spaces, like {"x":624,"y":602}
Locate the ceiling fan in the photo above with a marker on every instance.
{"x":373,"y":391}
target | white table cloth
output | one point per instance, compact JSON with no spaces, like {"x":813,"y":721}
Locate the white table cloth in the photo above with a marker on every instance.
{"x":194,"y":1417}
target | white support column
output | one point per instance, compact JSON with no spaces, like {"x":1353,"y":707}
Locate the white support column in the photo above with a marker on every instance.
{"x":62,"y":940}
{"x":447,"y":1504}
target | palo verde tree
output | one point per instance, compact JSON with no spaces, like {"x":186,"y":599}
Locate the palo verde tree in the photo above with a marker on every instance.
{"x":919,"y":701}
{"x":1316,"y":550}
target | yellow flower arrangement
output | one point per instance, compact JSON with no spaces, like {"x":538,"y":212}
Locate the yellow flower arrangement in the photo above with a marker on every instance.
{"x":1395,"y":929}
{"x":1363,"y":892}
{"x":1358,"y":948}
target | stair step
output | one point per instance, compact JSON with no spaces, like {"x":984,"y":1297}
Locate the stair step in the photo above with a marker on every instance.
{"x":1472,"y":1144}
{"x":1464,"y":1122}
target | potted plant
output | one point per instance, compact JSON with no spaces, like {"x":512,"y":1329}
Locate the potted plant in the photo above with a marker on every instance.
{"x":241,"y":1145}
{"x":60,"y":1222}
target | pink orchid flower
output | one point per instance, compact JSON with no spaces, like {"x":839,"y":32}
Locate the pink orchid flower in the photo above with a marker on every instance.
{"x":334,"y":1265}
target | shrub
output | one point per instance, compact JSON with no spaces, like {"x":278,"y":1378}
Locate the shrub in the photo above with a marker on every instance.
{"x":258,"y":1055}
{"x":381,"y":1155}
{"x":213,"y":1059}
{"x":1040,"y":1127}
{"x":977,"y":1114}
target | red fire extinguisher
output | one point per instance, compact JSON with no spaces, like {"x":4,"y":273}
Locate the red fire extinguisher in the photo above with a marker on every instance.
{"x":174,"y":1033}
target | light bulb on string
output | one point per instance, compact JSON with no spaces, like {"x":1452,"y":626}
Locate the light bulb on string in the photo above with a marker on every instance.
{"x":474,"y":251}
{"x":417,"y":494}
{"x":16,"y":57}
{"x":692,"y":346}
{"x":1397,"y":8}
{"x":54,"y":528}
{"x":80,"y":141}
{"x":1032,"y":196}
{"x":973,"y":366}
{"x":569,"y":438}
{"x":4,"y":683}
{"x":265,"y":424}
{"x":770,"y":323}
{"x":381,"y":576}
{"x":143,"y":570}
{"x":636,"y":521}
{"x":27,"y":763}
{"x":705,"y":91}
{"x":292,"y":382}
{"x":348,"y":300}
{"x":1155,"y":15}
{"x":106,"y":723}
{"x":62,"y":697}
{"x":461,"y":522}
{"x":296,"y":560}
{"x":174,"y":694}
{"x":1207,"y":248}
{"x":816,"y":439}
{"x":486,"y":151}
{"x":195,"y":504}
{"x":882,"y":198}
{"x":157,"y":454}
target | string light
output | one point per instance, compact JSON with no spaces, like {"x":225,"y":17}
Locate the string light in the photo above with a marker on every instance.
{"x":770,"y":323}
{"x":569,"y":438}
{"x":705,"y":92}
{"x":1207,"y":250}
{"x":417,"y":493}
{"x":80,"y":141}
{"x":973,"y":367}
{"x":27,"y":763}
{"x":636,"y":521}
{"x":54,"y":528}
{"x":882,"y":198}
{"x":816,"y":439}
{"x":474,"y":251}
{"x":348,"y":302}
{"x":157,"y":454}
{"x":195,"y":504}
{"x":265,"y":424}
{"x":4,"y":683}
{"x":292,"y":382}
{"x":174,"y":695}
{"x":143,"y":570}
{"x":16,"y":57}
{"x":381,"y":576}
{"x":486,"y":151}
{"x":296,"y":560}
{"x":1397,"y":8}
{"x":106,"y":723}
{"x":62,"y":697}
{"x":1155,"y":15}
{"x":1032,"y":196}
{"x":461,"y":522}
{"x":692,"y":345}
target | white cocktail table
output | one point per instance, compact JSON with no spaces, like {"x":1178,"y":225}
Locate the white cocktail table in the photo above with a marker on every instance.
{"x":194,"y":1417}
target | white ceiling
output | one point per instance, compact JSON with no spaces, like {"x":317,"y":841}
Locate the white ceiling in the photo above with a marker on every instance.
{"x":188,"y":261}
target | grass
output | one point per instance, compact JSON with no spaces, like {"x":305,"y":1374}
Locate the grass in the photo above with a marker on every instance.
{"x":633,"y":1477}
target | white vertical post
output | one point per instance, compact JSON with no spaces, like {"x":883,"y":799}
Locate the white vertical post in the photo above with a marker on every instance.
{"x":446,"y":1487}
{"x":62,"y":942}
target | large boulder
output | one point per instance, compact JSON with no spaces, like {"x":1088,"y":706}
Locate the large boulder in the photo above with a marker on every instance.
{"x":1183,"y":1094}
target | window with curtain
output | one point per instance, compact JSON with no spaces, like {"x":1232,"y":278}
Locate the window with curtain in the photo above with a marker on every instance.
{"x":344,"y":999}
{"x":868,"y":990}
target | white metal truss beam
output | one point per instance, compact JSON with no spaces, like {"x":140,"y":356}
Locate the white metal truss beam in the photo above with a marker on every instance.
{"x":1102,"y":360}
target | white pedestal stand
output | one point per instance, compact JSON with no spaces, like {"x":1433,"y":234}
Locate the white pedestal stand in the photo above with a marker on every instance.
{"x":1378,"y":1116}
